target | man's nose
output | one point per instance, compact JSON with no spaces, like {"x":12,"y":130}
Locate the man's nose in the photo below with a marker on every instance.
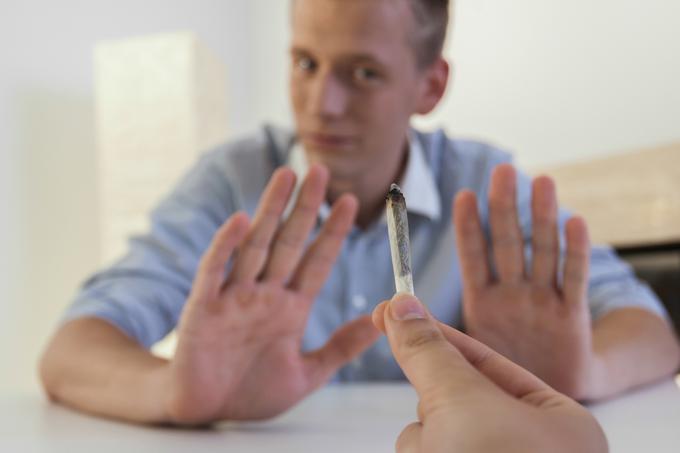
{"x":328,"y":97}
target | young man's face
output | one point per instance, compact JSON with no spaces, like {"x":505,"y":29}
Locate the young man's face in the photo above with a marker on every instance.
{"x":354,"y":81}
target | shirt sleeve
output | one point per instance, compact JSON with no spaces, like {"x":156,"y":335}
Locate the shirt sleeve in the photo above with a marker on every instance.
{"x":143,"y":293}
{"x":612,"y":283}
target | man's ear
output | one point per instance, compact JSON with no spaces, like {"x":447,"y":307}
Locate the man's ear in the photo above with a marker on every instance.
{"x":435,"y":81}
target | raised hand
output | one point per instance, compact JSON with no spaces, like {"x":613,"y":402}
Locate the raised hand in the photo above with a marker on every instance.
{"x":526,"y":315}
{"x":239,"y":337}
{"x":471,"y":398}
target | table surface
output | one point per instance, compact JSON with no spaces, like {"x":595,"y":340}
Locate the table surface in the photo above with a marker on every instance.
{"x":339,"y":418}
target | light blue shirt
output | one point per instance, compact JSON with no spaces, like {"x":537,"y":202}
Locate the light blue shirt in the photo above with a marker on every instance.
{"x":143,"y":293}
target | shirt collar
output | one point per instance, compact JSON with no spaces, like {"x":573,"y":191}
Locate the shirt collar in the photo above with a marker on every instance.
{"x":417,"y":182}
{"x":297,"y":161}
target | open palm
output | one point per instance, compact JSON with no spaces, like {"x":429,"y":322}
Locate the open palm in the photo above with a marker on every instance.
{"x":239,"y":338}
{"x":531,"y":316}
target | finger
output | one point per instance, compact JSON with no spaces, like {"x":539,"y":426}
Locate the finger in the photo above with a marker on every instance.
{"x":346,"y":343}
{"x":506,"y":235}
{"x":470,"y":242}
{"x":254,"y":250}
{"x":410,"y":439}
{"x":507,"y":375}
{"x":545,"y":245}
{"x":210,"y":273}
{"x":290,"y":241}
{"x":378,"y":315}
{"x":318,"y":260}
{"x":430,"y":362}
{"x":576,"y":264}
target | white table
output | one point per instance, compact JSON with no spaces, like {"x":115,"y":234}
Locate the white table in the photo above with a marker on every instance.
{"x":343,"y":418}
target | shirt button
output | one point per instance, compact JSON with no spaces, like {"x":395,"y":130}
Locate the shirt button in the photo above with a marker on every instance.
{"x":359,"y":302}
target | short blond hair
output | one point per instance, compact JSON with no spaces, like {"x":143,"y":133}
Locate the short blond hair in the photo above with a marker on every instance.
{"x":431,"y":22}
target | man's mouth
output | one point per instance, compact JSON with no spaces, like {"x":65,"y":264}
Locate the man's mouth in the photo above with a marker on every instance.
{"x":325,"y":140}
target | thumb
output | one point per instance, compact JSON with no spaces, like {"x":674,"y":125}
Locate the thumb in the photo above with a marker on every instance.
{"x":346,"y":343}
{"x":431,"y":363}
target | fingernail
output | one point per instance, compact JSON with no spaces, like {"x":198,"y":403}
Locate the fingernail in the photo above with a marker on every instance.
{"x":404,"y":307}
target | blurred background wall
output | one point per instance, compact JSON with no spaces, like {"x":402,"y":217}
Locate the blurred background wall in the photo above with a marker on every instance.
{"x":553,"y":81}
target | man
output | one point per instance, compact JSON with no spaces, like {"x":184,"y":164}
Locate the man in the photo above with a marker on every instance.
{"x":285,"y":317}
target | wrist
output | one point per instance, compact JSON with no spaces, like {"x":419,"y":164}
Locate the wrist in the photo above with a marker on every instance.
{"x":594,"y":385}
{"x":183,"y":401}
{"x":156,"y":388}
{"x":146,"y":389}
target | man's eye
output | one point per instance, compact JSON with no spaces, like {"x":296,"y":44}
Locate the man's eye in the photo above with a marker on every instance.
{"x":363,"y":74}
{"x":305,"y":64}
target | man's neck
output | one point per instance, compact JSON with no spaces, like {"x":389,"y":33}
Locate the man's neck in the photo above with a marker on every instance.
{"x":370,"y":189}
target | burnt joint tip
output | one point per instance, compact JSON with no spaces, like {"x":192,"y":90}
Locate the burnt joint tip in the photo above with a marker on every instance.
{"x":395,"y":193}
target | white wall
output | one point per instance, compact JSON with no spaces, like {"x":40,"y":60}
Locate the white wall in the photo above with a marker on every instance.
{"x":552,"y":80}
{"x":49,"y":232}
{"x":565,"y":80}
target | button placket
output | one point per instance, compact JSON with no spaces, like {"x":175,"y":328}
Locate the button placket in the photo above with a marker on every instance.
{"x":355,"y":300}
{"x":359,"y":302}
